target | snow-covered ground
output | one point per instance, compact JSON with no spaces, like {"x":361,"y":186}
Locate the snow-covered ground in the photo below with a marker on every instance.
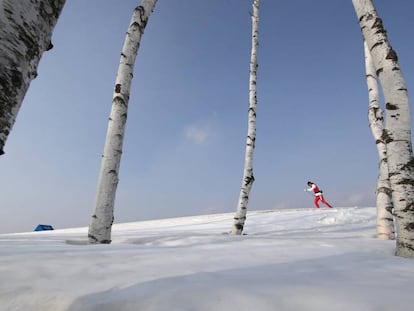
{"x":304,"y":259}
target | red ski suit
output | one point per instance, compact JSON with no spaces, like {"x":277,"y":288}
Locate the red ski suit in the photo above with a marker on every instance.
{"x":318,"y":196}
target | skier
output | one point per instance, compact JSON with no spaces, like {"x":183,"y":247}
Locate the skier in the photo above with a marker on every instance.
{"x":318,"y":194}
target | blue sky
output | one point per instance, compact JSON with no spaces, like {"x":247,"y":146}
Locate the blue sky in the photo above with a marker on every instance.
{"x":187,"y":121}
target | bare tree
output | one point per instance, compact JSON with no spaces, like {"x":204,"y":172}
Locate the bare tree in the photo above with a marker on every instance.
{"x":103,"y":216}
{"x":385,"y":221}
{"x":248,"y":178}
{"x":26,"y":28}
{"x":397,"y":134}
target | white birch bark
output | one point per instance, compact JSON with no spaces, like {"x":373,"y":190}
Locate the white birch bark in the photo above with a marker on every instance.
{"x":385,"y":221}
{"x":103,"y":216}
{"x":26,"y":28}
{"x":248,"y":178}
{"x":398,"y":124}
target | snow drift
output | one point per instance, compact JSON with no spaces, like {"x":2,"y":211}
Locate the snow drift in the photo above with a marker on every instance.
{"x":302,"y":259}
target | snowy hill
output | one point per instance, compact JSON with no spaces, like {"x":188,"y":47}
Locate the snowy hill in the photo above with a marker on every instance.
{"x":303,"y":259}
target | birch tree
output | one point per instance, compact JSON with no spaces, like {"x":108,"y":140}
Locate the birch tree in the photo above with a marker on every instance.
{"x":385,"y":222}
{"x":103,"y":216}
{"x":248,"y":178}
{"x":397,"y":133}
{"x":26,"y":28}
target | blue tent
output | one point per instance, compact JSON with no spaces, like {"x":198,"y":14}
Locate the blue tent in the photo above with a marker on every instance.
{"x":43,"y":227}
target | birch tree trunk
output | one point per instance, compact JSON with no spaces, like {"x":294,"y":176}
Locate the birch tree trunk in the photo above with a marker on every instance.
{"x":248,"y":178}
{"x":385,"y":221}
{"x":103,"y":216}
{"x":397,"y":134}
{"x":26,"y":28}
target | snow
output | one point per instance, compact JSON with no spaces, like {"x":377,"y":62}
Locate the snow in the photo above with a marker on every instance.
{"x":297,"y":259}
